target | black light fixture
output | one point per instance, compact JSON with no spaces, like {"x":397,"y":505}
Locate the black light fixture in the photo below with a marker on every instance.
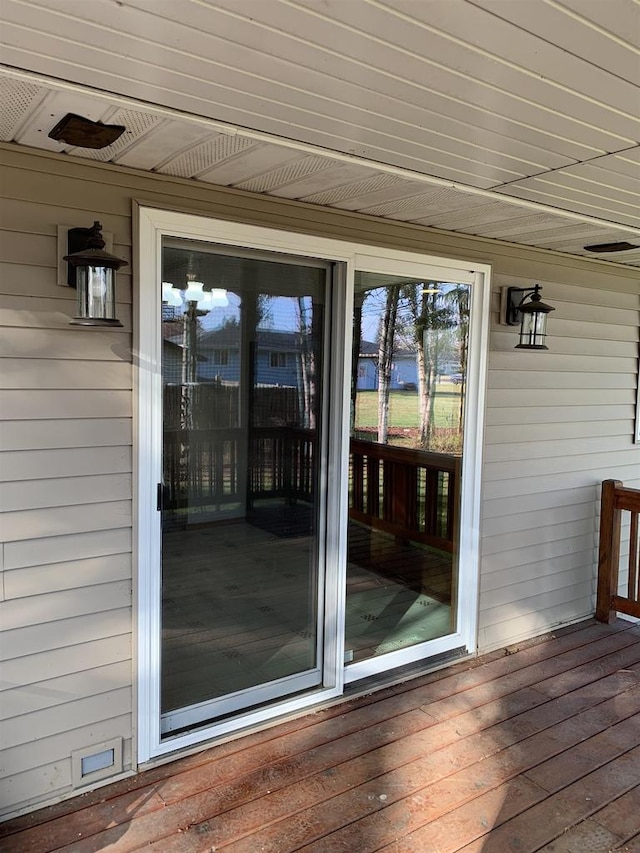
{"x":524,"y":306}
{"x":93,"y":274}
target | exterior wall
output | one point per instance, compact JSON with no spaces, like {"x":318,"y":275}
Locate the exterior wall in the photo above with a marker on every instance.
{"x":229,"y":372}
{"x":367,"y":375}
{"x":557,"y":424}
{"x":285,"y":348}
{"x":285,"y":375}
{"x":404,"y":371}
{"x":265,"y":374}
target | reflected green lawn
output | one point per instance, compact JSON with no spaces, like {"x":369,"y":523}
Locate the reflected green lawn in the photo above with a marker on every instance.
{"x":404,"y":411}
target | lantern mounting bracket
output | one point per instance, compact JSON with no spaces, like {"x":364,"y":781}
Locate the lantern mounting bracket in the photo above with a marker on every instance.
{"x":514,"y":299}
{"x":77,"y":241}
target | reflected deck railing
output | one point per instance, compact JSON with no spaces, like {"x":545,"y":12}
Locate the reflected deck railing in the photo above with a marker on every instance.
{"x":616,"y":500}
{"x":410,"y":494}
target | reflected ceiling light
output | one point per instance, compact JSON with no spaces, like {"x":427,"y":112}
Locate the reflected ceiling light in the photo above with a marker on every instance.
{"x":171,"y":295}
{"x":219,"y":298}
{"x":93,"y":276}
{"x":525,"y":307}
{"x":205,"y":299}
{"x":195,"y":292}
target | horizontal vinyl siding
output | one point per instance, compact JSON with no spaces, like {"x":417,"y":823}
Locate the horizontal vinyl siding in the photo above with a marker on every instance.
{"x":53,"y":777}
{"x":623,"y":576}
{"x":73,"y":574}
{"x":53,"y":663}
{"x":65,"y":495}
{"x":37,"y":494}
{"x":60,"y":521}
{"x":557,"y":423}
{"x":45,"y":373}
{"x":57,"y":433}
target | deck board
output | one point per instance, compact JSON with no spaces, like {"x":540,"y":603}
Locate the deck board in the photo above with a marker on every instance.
{"x":534,"y":748}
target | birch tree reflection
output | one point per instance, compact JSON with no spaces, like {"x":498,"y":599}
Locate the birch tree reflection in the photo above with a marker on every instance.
{"x":428,"y":316}
{"x":429,"y":321}
{"x":386,"y":346}
{"x":307,"y":343}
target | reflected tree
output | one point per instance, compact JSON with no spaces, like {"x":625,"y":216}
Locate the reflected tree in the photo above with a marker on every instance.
{"x":356,"y":341}
{"x":308,"y":316}
{"x":386,"y":340}
{"x":458,"y":300}
{"x":429,"y":316}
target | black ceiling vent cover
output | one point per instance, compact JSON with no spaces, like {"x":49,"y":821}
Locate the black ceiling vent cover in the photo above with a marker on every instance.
{"x":611,"y":247}
{"x":84,"y":133}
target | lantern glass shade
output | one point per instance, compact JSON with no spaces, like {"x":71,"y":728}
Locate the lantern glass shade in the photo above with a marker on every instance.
{"x":95,"y":296}
{"x":533,"y":330}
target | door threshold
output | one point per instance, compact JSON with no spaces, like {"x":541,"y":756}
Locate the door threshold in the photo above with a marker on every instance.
{"x":373,"y":683}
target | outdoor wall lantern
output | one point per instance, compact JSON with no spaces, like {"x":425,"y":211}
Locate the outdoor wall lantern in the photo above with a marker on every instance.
{"x":525,"y":307}
{"x":92,"y":272}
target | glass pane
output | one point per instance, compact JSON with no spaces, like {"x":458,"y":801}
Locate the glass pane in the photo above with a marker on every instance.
{"x":407,"y":413}
{"x":242,"y":392}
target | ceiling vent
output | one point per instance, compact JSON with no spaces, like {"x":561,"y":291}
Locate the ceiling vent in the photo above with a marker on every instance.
{"x":84,"y":133}
{"x":611,"y":247}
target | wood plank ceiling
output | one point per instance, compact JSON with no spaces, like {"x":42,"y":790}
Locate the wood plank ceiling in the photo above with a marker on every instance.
{"x":512,"y":119}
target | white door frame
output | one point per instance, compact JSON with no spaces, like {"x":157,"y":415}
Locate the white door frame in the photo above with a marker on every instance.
{"x":154,"y":223}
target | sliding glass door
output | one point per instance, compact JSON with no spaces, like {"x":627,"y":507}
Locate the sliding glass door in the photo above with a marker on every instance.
{"x":409,"y":368}
{"x":243,"y":357}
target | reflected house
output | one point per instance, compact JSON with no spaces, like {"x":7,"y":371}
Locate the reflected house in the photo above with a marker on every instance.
{"x":277,"y":353}
{"x":173,"y":356}
{"x":278,"y":357}
{"x":277,"y":360}
{"x":404,"y":369}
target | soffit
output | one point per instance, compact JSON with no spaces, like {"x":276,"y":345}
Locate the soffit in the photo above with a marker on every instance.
{"x":513,"y":120}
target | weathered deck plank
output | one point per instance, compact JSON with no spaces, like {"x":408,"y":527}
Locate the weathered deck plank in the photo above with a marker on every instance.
{"x":534,"y":749}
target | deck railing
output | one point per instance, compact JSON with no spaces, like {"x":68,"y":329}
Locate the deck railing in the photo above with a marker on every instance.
{"x":409,"y":493}
{"x":200,"y":468}
{"x":207,"y":467}
{"x":616,"y":500}
{"x":282,"y":463}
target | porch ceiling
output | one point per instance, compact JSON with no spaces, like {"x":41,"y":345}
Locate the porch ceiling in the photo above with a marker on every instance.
{"x":513,"y":120}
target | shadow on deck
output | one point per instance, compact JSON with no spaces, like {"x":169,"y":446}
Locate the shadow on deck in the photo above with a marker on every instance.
{"x":532,"y":748}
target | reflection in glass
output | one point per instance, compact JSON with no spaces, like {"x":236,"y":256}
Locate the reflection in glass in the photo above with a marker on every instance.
{"x":407,"y":419}
{"x":242,"y":342}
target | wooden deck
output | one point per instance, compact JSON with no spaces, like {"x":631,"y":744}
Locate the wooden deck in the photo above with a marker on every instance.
{"x":534,"y":748}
